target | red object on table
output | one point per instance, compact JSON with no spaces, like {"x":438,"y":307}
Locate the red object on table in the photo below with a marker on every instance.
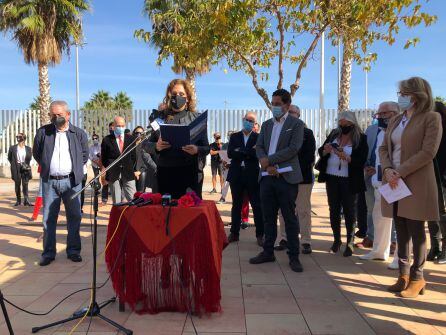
{"x":153,"y":272}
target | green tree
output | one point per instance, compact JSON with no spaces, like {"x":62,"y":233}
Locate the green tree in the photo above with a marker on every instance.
{"x":440,"y":99}
{"x":365,"y":22}
{"x":43,"y":31}
{"x":170,"y":27}
{"x":102,"y":108}
{"x":122,"y":101}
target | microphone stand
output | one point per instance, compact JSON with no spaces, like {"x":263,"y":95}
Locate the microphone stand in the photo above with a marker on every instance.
{"x":95,"y":309}
{"x":5,"y":314}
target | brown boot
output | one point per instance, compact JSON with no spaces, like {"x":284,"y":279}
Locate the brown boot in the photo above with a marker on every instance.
{"x":415,"y":287}
{"x":400,"y":285}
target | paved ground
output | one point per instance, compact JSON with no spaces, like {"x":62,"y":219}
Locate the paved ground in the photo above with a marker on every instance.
{"x":335,"y":295}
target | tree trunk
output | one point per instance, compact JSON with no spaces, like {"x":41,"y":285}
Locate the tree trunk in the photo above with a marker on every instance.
{"x":190,"y":76}
{"x":346,"y":75}
{"x":44,"y":90}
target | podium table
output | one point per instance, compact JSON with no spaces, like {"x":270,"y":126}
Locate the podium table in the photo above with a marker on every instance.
{"x":158,"y":267}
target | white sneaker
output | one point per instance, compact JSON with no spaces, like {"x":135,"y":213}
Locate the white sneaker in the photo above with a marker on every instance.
{"x":394,"y":265}
{"x":368,"y":256}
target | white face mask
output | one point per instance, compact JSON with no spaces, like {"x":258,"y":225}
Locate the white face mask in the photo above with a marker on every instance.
{"x":404,"y":102}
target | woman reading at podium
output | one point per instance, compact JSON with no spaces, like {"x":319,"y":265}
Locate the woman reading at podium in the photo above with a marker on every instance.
{"x":178,"y":167}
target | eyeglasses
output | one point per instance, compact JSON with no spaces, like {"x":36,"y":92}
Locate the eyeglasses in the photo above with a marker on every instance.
{"x":138,"y":133}
{"x":252,"y":121}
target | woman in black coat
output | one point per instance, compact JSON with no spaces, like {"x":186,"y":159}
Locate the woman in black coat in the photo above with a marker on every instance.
{"x":341,"y":167}
{"x":19,"y":156}
{"x":178,"y":169}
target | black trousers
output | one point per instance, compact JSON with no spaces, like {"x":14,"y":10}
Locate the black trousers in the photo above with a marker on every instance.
{"x":246,"y":183}
{"x":104,"y":192}
{"x":22,"y":179}
{"x":437,"y":232}
{"x":276,"y":194}
{"x":361,"y":208}
{"x":406,"y":230}
{"x":175,"y":180}
{"x":339,"y":196}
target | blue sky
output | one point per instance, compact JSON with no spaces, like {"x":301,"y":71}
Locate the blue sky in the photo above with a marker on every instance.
{"x":113,"y":60}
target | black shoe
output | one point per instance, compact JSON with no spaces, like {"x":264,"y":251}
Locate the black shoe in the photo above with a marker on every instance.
{"x":348,"y":250}
{"x":306,"y":248}
{"x":442,"y":258}
{"x":213,"y":191}
{"x":75,"y":258}
{"x":433,"y":254}
{"x":244,"y":225}
{"x":260,"y":241}
{"x":17,"y":204}
{"x":262,"y":258}
{"x":283,"y":244}
{"x":232,"y":238}
{"x":296,"y":266}
{"x":335,"y":247}
{"x":44,"y":261}
{"x":221,"y":201}
{"x":27,"y":203}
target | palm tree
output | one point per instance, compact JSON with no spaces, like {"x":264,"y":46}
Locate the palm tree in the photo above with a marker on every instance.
{"x":101,"y":100}
{"x":35,"y":105}
{"x":122,"y":101}
{"x":43,"y":30}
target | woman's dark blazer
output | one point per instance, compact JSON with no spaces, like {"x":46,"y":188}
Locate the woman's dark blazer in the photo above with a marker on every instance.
{"x":355,"y":167}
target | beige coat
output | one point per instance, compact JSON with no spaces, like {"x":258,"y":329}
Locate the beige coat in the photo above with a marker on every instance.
{"x":419,"y":144}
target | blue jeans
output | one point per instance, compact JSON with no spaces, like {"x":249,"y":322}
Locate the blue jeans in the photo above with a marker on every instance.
{"x":53,"y":192}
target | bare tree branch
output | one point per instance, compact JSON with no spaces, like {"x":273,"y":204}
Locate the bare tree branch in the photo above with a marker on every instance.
{"x":281,"y":41}
{"x":295,"y":86}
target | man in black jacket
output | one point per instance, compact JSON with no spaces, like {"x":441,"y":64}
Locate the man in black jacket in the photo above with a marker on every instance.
{"x":243,"y":177}
{"x":303,"y":200}
{"x":121,"y":178}
{"x":61,"y":150}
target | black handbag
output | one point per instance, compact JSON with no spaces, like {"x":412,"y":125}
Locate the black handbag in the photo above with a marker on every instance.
{"x":25,"y":168}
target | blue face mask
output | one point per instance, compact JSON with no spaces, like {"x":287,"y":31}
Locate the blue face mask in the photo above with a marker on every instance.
{"x":247,"y":125}
{"x":119,"y":131}
{"x":404,"y":102}
{"x":277,"y":111}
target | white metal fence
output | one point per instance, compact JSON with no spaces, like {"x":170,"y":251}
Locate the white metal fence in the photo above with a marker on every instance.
{"x":222,"y":121}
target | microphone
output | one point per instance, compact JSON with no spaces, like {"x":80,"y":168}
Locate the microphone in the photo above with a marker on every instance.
{"x":147,"y":200}
{"x":136,"y":200}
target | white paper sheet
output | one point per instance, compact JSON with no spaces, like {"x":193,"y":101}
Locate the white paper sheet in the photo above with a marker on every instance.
{"x":224,"y":156}
{"x":280,"y":170}
{"x":392,"y":195}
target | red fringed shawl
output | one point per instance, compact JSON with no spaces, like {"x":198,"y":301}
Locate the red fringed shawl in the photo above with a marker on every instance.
{"x":153,"y":272}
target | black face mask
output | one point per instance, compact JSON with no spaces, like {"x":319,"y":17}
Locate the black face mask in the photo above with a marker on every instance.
{"x":58,"y":121}
{"x":382,"y":123}
{"x":177,"y":102}
{"x":346,"y":129}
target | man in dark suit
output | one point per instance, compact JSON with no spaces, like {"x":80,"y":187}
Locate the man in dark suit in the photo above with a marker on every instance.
{"x":243,"y":177}
{"x":277,"y":148}
{"x":19,"y":156}
{"x":121,"y":177}
{"x":61,"y":150}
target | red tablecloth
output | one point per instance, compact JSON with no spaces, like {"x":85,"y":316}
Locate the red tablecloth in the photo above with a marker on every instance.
{"x":153,"y":272}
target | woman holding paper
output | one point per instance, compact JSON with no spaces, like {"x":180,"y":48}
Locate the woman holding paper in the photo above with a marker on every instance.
{"x":410,"y":144}
{"x":178,"y":168}
{"x":341,"y":167}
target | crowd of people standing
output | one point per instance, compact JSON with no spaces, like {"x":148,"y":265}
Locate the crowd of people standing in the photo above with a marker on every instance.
{"x":272,"y":169}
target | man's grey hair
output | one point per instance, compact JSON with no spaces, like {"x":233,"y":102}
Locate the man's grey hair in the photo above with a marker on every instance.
{"x":60,"y":103}
{"x":394,"y":105}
